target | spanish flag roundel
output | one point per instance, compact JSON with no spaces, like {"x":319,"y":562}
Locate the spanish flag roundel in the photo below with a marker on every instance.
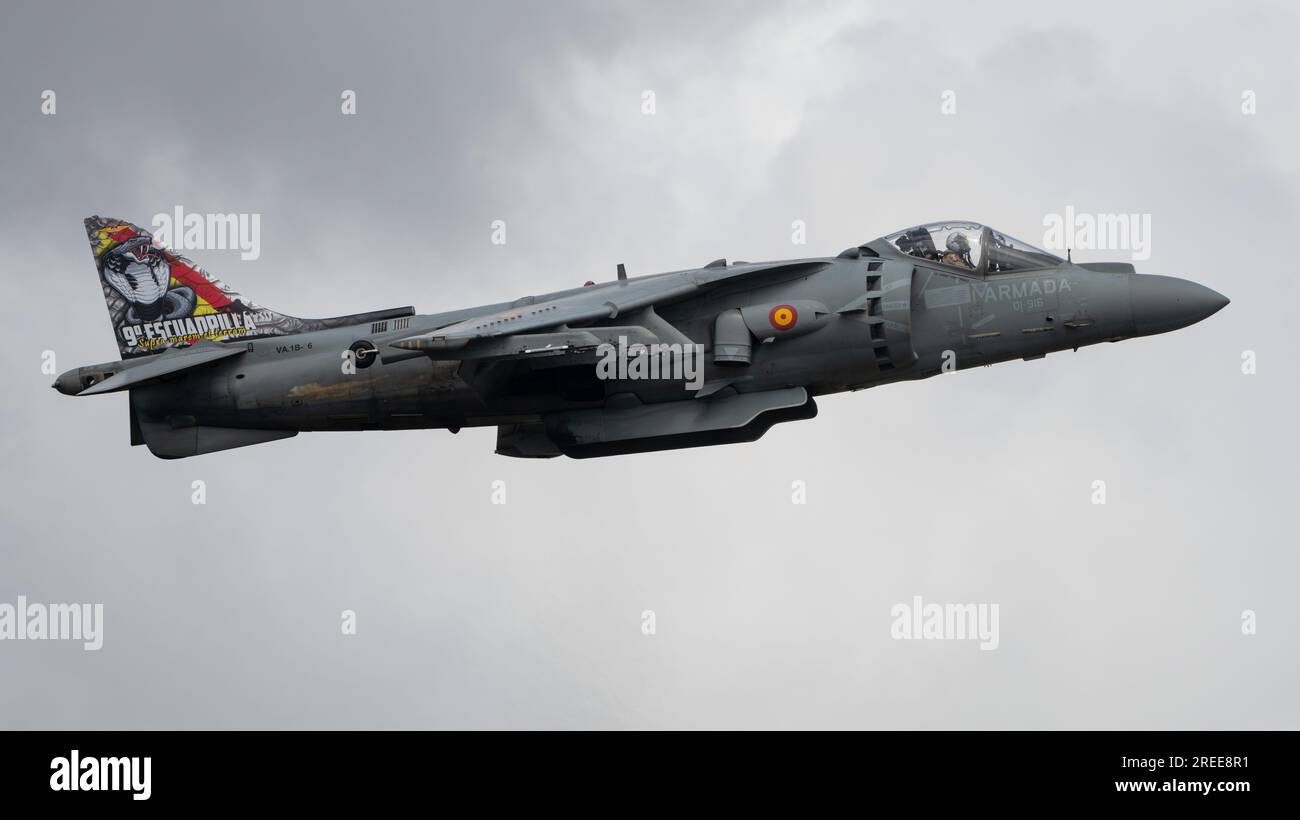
{"x":783,"y":317}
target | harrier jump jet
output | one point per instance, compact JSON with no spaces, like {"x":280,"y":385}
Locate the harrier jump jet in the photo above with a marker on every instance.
{"x":603,"y":369}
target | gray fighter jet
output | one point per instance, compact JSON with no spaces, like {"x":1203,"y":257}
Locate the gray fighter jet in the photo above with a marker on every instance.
{"x":710,"y":355}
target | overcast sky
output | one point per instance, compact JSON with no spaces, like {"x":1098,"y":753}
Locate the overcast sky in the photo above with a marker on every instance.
{"x":974,"y":487}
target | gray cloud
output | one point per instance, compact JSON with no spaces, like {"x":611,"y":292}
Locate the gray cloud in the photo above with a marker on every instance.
{"x":972,"y":487}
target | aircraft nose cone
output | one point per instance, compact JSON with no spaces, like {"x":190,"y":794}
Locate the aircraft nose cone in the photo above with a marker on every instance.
{"x":1164,"y":303}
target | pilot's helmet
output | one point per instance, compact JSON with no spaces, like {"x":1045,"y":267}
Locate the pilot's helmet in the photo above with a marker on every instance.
{"x":958,"y":243}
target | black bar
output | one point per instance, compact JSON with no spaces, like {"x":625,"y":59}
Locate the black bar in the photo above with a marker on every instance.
{"x":334,"y":769}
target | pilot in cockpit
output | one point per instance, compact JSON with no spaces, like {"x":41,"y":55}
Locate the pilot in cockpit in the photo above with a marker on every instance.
{"x":958,"y":253}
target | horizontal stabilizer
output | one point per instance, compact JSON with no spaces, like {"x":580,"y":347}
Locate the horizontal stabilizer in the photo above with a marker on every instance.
{"x":173,"y":361}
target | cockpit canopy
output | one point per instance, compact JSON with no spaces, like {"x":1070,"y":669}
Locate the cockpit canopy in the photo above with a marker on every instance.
{"x":972,"y":247}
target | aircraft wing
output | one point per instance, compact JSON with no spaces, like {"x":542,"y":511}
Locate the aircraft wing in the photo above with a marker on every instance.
{"x":606,"y":301}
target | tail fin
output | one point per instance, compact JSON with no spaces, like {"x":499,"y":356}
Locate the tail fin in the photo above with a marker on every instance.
{"x":158,"y":299}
